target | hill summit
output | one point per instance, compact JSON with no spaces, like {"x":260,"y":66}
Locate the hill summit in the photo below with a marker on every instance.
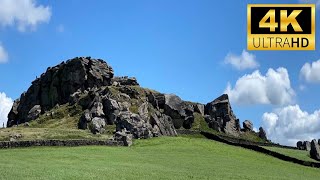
{"x":120,"y":102}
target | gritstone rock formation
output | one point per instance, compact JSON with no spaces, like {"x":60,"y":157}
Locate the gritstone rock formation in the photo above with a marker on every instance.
{"x":315,"y":150}
{"x":220,"y":116}
{"x":119,"y":102}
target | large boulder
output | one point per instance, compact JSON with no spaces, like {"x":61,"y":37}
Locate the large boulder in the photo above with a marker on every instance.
{"x":221,"y":114}
{"x":111,"y":110}
{"x":58,"y":83}
{"x":34,"y":112}
{"x":97,"y":125}
{"x":247,"y":125}
{"x":307,"y":145}
{"x":125,"y":80}
{"x":262,"y":134}
{"x":315,"y":150}
{"x":180,"y":111}
{"x":300,"y":145}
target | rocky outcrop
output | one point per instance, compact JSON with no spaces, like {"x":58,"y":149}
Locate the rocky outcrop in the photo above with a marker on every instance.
{"x":221,"y":117}
{"x":262,"y":133}
{"x":57,"y":84}
{"x":247,"y":125}
{"x":305,"y":145}
{"x":118,"y":102}
{"x":315,"y":150}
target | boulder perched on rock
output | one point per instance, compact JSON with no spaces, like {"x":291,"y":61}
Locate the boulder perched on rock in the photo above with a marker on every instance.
{"x":57,"y":84}
{"x":247,"y":125}
{"x":262,"y":133}
{"x":220,"y":111}
{"x":315,"y":150}
{"x":125,"y":80}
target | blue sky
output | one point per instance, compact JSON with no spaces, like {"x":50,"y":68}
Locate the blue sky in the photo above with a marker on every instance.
{"x":173,"y":46}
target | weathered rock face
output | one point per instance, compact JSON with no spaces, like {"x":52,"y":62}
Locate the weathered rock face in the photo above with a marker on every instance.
{"x":247,"y":125}
{"x":307,"y":145}
{"x":315,"y":150}
{"x":57,"y":84}
{"x":221,"y":115}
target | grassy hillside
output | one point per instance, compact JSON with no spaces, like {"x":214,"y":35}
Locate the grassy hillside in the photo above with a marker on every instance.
{"x":299,"y":154}
{"x":157,"y":158}
{"x":48,"y":133}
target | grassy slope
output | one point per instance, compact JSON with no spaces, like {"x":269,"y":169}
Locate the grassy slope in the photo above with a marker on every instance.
{"x":158,"y":158}
{"x":299,"y":154}
{"x":49,"y":133}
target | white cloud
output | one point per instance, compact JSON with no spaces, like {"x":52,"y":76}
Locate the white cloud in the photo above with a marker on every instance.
{"x":25,"y":14}
{"x":3,"y":54}
{"x":290,"y":124}
{"x":243,"y":61}
{"x":5,"y":107}
{"x":311,"y":72}
{"x":273,"y":88}
{"x":317,"y":2}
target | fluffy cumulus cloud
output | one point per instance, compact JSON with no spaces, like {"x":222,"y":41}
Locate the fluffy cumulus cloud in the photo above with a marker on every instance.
{"x":243,"y":61}
{"x":290,"y":124}
{"x":311,"y":72}
{"x":5,"y":106}
{"x":272,"y":88}
{"x":3,"y":54}
{"x":25,"y":14}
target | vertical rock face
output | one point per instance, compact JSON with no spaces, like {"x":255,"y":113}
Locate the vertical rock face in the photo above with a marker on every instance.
{"x":57,"y":84}
{"x":307,"y":145}
{"x":220,"y":114}
{"x":315,"y":150}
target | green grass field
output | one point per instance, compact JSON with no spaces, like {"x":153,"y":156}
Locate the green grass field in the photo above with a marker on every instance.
{"x":157,"y":158}
{"x":299,"y":154}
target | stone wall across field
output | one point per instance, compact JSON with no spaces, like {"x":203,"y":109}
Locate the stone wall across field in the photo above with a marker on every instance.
{"x":16,"y":144}
{"x":260,"y":149}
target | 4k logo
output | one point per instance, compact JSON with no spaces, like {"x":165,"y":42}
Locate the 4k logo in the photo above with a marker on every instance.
{"x":281,"y":27}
